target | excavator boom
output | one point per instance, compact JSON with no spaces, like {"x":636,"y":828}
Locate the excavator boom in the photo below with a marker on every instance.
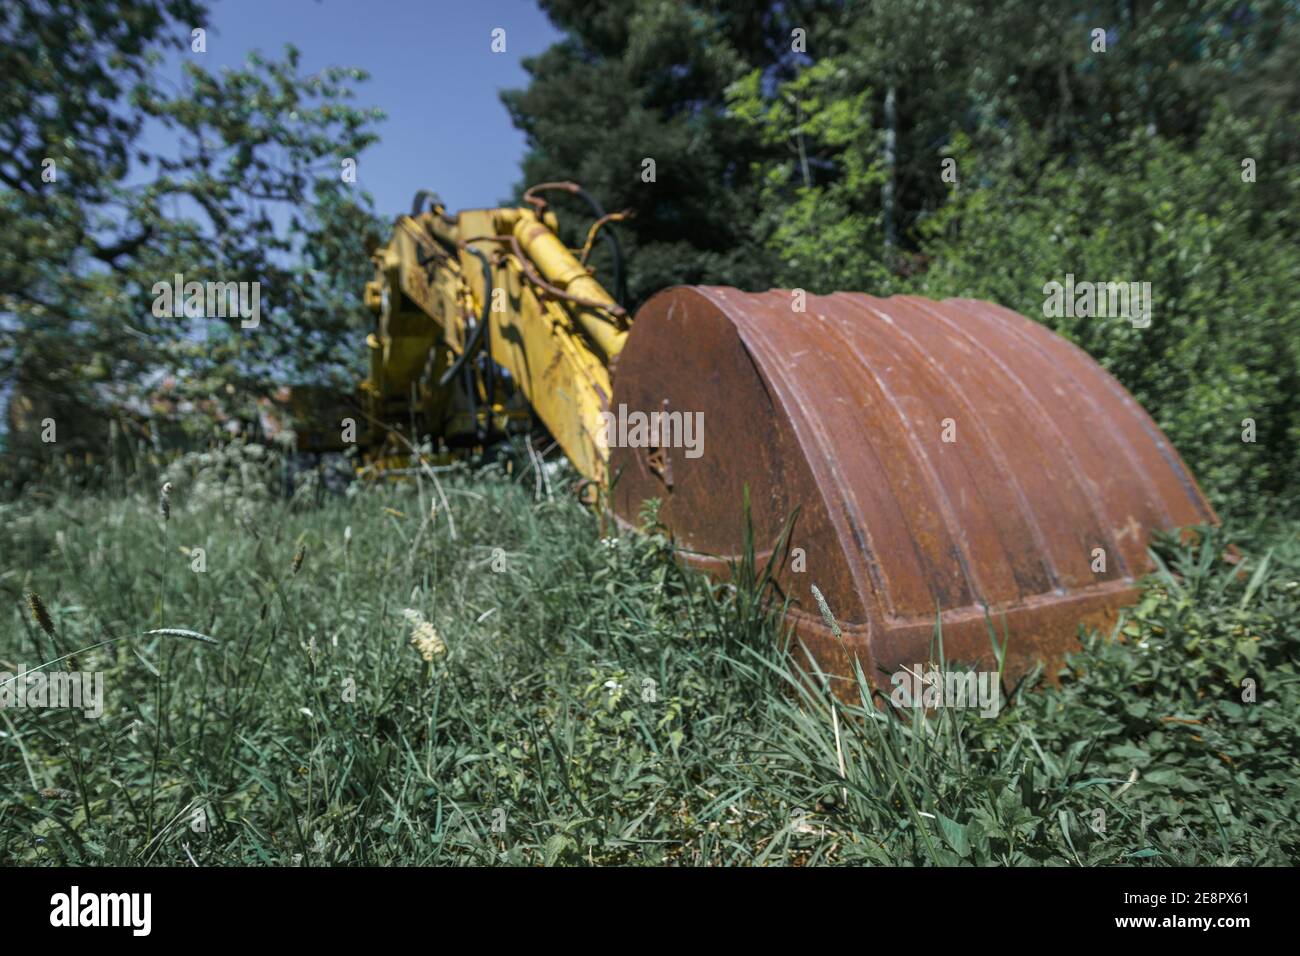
{"x":470,"y":306}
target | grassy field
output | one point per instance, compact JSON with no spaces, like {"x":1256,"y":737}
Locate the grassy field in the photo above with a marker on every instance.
{"x":477,"y":676}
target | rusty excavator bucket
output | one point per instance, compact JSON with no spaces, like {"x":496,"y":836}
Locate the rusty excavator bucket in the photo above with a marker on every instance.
{"x":949,"y":460}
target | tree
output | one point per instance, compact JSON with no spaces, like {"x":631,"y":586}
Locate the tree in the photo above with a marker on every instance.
{"x":252,"y":192}
{"x":637,"y":80}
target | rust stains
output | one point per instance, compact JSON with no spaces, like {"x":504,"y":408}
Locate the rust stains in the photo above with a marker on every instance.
{"x":950,"y":459}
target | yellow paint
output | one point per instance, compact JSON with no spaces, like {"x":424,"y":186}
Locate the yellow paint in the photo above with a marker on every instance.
{"x":558,"y":352}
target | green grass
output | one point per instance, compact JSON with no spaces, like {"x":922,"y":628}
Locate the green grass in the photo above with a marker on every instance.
{"x":596,"y":702}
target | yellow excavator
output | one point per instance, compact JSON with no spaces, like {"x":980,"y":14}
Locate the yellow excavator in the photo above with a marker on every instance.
{"x":931,"y":467}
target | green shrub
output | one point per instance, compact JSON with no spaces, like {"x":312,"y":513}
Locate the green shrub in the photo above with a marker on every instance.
{"x":1222,"y":262}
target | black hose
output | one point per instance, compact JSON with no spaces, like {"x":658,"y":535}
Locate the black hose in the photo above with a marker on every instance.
{"x":476,"y":337}
{"x":417,"y":204}
{"x":482,"y":331}
{"x":473,"y":398}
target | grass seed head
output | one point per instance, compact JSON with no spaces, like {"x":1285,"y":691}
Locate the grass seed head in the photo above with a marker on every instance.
{"x":827,"y":616}
{"x":165,"y":501}
{"x":40,"y":613}
{"x":298,"y":557}
{"x":425,"y":637}
{"x":182,"y":632}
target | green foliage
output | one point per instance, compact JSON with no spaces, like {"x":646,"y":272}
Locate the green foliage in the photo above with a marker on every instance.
{"x":597,"y":703}
{"x":1174,"y":744}
{"x":545,"y":706}
{"x":1199,"y":700}
{"x":247,"y":188}
{"x":1223,"y":343}
{"x":1107,"y":166}
{"x":819,"y":230}
{"x":642,"y":79}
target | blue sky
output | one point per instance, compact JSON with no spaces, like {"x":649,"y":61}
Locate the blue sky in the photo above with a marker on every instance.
{"x":431,"y":69}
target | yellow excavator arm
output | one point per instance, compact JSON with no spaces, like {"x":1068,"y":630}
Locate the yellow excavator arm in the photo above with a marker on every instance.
{"x":498,"y":283}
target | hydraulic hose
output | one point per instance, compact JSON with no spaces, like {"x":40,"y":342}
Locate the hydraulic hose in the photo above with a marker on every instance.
{"x":616,"y":250}
{"x":481,"y":330}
